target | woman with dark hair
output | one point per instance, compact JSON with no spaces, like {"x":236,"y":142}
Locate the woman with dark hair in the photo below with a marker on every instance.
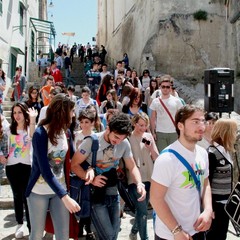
{"x":18,"y":166}
{"x":135,"y":80}
{"x":119,"y":86}
{"x":98,"y":126}
{"x":104,"y":87}
{"x":2,"y":87}
{"x":34,"y":100}
{"x":153,"y":86}
{"x":111,"y":102}
{"x":46,"y":189}
{"x":135,"y":104}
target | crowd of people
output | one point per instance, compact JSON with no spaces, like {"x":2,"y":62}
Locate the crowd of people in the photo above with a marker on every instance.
{"x":141,"y":121}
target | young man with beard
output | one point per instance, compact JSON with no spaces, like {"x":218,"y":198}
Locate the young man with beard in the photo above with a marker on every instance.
{"x":113,"y":146}
{"x":174,"y":195}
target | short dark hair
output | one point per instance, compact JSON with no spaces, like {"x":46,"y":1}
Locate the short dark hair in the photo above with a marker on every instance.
{"x":184,"y":113}
{"x":86,"y":90}
{"x":85,"y":114}
{"x":71,"y":88}
{"x":120,"y":124}
{"x":211,"y":116}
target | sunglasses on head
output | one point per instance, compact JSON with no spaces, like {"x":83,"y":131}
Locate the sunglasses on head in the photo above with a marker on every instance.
{"x":163,"y":87}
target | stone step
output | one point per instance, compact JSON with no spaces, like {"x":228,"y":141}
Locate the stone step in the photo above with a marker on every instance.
{"x":6,"y":197}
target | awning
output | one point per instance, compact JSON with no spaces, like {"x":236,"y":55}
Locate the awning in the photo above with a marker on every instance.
{"x":43,"y":26}
{"x":18,"y":50}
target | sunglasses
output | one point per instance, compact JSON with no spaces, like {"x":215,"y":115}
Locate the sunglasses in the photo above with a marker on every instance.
{"x":163,"y":87}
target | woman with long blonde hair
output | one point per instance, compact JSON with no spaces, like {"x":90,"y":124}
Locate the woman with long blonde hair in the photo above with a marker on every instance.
{"x":223,"y":136}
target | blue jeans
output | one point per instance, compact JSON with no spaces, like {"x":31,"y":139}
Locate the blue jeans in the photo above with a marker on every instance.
{"x":140,"y":221}
{"x":106,"y":217}
{"x":38,"y":207}
{"x":67,"y":77}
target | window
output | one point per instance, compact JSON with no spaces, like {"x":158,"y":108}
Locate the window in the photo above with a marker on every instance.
{"x":13,"y":65}
{"x":21,"y":11}
{"x":1,"y":10}
{"x":32,"y":46}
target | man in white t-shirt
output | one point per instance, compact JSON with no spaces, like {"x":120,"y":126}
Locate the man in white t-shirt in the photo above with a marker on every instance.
{"x":162,"y":125}
{"x":174,"y":195}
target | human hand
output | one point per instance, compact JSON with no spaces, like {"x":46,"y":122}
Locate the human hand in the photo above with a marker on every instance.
{"x":90,"y":174}
{"x":141,"y":190}
{"x":204,"y":221}
{"x":3,"y":160}
{"x":99,"y":181}
{"x":71,"y":205}
{"x":32,"y":112}
{"x":182,"y":236}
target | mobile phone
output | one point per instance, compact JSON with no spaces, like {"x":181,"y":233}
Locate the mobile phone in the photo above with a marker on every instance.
{"x":144,"y":140}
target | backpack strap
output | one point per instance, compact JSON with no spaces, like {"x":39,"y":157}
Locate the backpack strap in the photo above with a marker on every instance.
{"x":94,"y":148}
{"x":187,"y":165}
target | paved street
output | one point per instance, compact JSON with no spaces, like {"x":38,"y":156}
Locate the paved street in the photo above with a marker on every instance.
{"x":8,"y":225}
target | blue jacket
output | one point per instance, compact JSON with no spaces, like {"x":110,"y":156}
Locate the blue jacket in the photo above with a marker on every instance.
{"x":40,"y":163}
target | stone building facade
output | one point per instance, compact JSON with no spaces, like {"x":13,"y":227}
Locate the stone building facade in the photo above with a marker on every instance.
{"x":164,"y":36}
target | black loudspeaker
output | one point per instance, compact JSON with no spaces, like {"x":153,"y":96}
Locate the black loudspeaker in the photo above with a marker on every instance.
{"x":219,"y":90}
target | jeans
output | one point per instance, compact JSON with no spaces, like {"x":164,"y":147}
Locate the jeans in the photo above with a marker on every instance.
{"x":106,"y":217}
{"x":67,"y":77}
{"x":18,"y":176}
{"x":38,"y":207}
{"x":94,"y":89}
{"x":140,"y":221}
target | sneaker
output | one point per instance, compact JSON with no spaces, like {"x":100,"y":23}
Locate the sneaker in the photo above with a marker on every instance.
{"x":132,"y":236}
{"x":19,"y":231}
{"x":90,"y":236}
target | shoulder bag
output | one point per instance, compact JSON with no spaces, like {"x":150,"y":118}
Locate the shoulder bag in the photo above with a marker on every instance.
{"x":169,"y":114}
{"x":80,"y":192}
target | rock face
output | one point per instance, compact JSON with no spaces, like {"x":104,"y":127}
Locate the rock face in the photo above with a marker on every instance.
{"x":164,"y":36}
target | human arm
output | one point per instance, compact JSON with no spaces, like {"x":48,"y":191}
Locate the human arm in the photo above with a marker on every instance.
{"x":87,"y":175}
{"x":153,"y":123}
{"x":157,"y":199}
{"x":135,"y":174}
{"x":204,"y":221}
{"x":152,"y":147}
{"x":32,"y":112}
{"x":4,"y":149}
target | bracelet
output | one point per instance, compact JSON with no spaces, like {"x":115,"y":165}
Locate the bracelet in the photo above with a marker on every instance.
{"x":140,"y":184}
{"x":177,"y":230}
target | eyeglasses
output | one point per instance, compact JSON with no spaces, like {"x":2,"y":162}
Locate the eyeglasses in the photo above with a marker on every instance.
{"x":167,"y":87}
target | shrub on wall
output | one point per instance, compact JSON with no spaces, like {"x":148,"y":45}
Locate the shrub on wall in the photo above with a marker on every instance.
{"x":200,"y":15}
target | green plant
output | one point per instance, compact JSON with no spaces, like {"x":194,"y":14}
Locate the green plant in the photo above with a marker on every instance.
{"x":200,"y":15}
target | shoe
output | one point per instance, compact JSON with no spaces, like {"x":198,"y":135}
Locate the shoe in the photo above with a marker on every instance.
{"x":90,"y":236}
{"x":132,"y":236}
{"x":19,"y":231}
{"x":48,"y":236}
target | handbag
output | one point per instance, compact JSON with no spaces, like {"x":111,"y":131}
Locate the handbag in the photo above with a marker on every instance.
{"x":80,"y":192}
{"x":123,"y":187}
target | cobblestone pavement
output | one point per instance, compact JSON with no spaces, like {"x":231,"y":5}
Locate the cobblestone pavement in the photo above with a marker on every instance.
{"x":8,"y":225}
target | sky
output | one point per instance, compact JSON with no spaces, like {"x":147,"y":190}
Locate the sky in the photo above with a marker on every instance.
{"x":79,"y":16}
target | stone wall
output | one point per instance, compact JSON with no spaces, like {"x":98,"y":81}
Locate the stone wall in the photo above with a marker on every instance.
{"x":163,"y":36}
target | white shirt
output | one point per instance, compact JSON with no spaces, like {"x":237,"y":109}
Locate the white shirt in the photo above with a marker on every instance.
{"x":182,"y":195}
{"x":164,"y":123}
